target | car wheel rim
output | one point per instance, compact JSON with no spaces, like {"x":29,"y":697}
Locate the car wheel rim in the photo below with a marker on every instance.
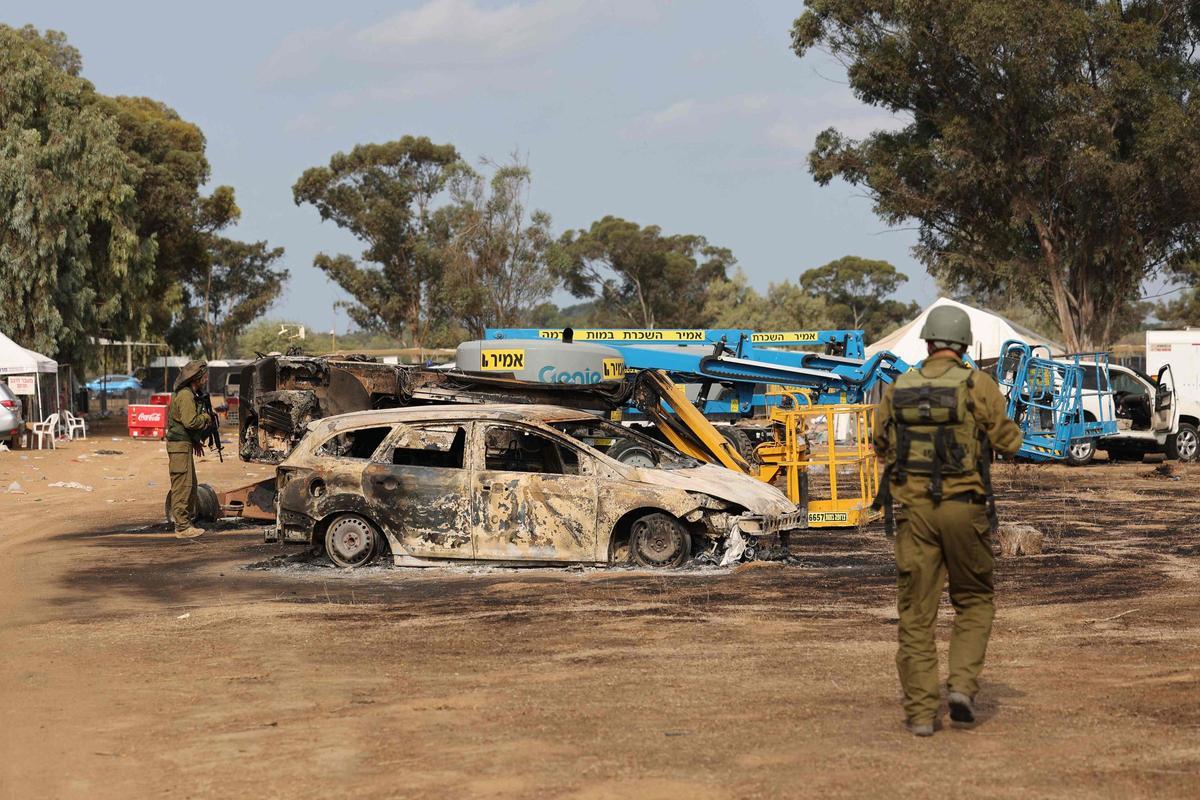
{"x":1186,"y":444}
{"x":656,"y":542}
{"x":1081,"y":451}
{"x":351,"y":541}
{"x":637,"y":458}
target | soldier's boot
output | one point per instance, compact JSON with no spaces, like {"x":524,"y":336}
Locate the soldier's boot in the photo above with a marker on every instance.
{"x":962,"y":707}
{"x":920,"y":728}
{"x":189,"y":533}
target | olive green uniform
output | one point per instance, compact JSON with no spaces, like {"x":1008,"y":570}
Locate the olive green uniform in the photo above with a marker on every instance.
{"x":934,"y":539}
{"x":186,"y":425}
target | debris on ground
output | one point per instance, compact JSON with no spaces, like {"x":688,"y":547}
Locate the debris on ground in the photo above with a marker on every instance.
{"x":15,"y":488}
{"x":1020,"y":540}
{"x":750,"y":566}
{"x":1162,"y":471}
{"x":1123,"y":616}
{"x":70,"y":485}
{"x":109,"y":452}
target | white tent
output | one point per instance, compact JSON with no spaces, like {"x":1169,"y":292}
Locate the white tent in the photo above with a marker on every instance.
{"x":16,"y":360}
{"x":990,"y":332}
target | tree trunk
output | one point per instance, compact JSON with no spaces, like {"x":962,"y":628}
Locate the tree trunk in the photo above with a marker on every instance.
{"x":1067,"y":323}
{"x":414,"y":322}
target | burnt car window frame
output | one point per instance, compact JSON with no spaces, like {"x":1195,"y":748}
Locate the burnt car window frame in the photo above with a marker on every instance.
{"x":319,"y":449}
{"x":679,"y":459}
{"x":583,"y":458}
{"x":386,"y":453}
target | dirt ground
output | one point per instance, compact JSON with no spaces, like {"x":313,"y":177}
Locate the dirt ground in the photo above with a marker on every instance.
{"x":133,"y":664}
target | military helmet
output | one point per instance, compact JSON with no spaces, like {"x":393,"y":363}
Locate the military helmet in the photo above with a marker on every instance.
{"x":189,"y":371}
{"x":947,"y":324}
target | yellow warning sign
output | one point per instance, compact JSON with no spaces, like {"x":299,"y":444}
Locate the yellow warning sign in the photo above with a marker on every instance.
{"x":502,"y":360}
{"x":614,"y":369}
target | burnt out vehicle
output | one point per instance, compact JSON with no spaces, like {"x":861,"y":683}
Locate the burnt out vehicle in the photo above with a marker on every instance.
{"x":281,"y":395}
{"x":514,"y":483}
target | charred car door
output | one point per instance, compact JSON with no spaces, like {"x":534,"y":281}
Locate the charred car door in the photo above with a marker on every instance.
{"x":418,"y":488}
{"x":535,"y":498}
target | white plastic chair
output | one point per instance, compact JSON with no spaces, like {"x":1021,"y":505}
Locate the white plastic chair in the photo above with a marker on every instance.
{"x":75,"y":425}
{"x":44,"y":431}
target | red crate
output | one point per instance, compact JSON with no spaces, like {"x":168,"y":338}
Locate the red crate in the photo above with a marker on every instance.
{"x":160,"y":399}
{"x":148,"y":422}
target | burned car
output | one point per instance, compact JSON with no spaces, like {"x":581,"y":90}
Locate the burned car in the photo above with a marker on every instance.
{"x":514,"y":483}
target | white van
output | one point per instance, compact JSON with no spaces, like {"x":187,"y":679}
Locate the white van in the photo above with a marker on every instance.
{"x":1152,"y":416}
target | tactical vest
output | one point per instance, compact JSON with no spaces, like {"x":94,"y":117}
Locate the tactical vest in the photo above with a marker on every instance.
{"x":175,"y":430}
{"x":935,"y":430}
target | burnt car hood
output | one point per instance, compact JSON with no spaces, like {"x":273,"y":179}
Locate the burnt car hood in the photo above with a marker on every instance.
{"x":721,"y":483}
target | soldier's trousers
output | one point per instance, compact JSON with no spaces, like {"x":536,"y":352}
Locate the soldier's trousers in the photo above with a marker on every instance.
{"x":952,"y":538}
{"x":183,"y":484}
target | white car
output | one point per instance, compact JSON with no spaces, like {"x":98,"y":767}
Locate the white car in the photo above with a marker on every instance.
{"x":10,"y":412}
{"x":1151,"y":417}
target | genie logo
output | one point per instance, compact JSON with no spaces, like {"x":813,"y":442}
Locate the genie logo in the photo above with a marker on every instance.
{"x":551,"y":374}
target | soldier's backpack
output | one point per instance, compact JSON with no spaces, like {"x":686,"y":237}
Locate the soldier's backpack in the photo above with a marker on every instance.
{"x":935,"y":434}
{"x":935,"y":431}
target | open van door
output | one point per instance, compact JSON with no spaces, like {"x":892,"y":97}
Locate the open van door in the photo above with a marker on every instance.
{"x":1165,"y":418}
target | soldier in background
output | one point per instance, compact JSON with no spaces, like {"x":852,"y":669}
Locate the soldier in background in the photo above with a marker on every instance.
{"x":186,"y":426}
{"x":935,"y":429}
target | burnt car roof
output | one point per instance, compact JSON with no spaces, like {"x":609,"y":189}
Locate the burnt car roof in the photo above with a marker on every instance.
{"x":507,"y":412}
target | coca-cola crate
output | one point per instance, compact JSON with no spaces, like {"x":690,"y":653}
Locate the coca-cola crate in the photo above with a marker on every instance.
{"x":148,"y":422}
{"x":160,"y":399}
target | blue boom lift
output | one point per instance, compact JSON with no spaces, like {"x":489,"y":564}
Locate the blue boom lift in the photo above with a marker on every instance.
{"x":1047,"y":398}
{"x":743,"y":361}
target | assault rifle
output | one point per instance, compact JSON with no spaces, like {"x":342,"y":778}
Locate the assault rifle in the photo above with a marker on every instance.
{"x":212,"y":434}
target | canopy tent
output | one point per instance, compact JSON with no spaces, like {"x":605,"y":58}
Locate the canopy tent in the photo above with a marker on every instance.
{"x":16,"y":360}
{"x":990,"y":331}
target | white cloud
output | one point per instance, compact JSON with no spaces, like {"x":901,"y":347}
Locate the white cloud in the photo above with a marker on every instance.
{"x":489,"y":33}
{"x":452,"y":35}
{"x":686,"y":118}
{"x":781,"y":121}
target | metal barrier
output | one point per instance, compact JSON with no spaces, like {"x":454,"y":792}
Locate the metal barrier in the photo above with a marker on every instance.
{"x":824,"y":457}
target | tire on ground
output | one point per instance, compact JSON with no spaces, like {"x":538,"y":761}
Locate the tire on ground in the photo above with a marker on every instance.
{"x":207,"y":507}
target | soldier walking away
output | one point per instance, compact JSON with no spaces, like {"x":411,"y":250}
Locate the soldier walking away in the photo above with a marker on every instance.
{"x":186,"y":427}
{"x":935,"y":429}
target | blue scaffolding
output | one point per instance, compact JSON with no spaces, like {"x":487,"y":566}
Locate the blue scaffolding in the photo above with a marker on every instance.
{"x":1047,"y":398}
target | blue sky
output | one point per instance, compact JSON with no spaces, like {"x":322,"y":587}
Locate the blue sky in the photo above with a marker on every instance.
{"x":694,"y":116}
